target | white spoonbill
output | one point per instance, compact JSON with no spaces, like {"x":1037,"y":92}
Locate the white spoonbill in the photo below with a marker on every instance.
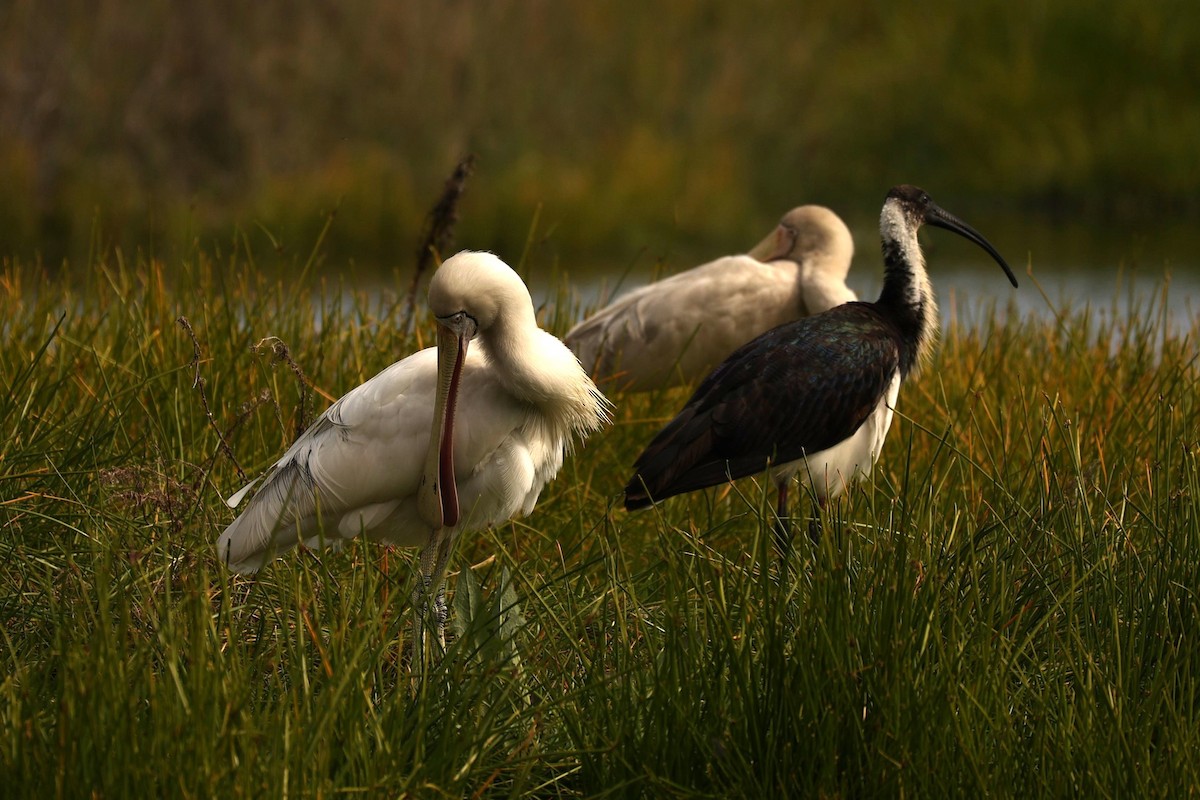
{"x":675,"y":330}
{"x":443,"y":441}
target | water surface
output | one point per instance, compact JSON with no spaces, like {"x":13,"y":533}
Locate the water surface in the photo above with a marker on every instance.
{"x":1061,"y":266}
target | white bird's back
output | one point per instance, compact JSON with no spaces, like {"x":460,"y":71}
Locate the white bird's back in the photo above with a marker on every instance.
{"x":675,"y":330}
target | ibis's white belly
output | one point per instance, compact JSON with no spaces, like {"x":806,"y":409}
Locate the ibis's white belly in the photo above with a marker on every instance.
{"x":831,"y":471}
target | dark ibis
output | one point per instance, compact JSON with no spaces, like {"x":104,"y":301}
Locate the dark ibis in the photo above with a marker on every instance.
{"x":813,"y":397}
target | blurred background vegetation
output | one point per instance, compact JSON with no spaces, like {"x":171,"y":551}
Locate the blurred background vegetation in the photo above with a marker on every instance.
{"x":687,"y":125}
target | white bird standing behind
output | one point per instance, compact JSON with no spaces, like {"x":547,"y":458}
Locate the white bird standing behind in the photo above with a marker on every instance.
{"x":443,"y":441}
{"x":676,"y":330}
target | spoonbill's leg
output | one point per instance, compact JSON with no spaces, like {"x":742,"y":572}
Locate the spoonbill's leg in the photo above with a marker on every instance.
{"x":440,"y":610}
{"x":430,"y":584}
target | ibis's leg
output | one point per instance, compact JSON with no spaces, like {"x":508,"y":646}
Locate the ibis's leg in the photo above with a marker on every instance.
{"x":814,"y":524}
{"x":783,"y":525}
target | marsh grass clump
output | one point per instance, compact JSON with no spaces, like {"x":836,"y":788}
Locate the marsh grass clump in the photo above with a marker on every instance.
{"x":1009,"y":602}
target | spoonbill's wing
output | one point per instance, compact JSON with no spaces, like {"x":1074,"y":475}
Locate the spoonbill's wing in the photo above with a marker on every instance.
{"x":678,"y":328}
{"x":362,"y":459}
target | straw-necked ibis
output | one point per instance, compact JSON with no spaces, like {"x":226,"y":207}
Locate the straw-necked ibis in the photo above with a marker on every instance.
{"x":813,"y":397}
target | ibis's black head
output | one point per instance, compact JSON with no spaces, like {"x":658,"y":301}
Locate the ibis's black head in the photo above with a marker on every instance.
{"x":917,"y":207}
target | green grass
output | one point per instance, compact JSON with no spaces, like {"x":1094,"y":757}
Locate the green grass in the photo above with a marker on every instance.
{"x":1008,"y":608}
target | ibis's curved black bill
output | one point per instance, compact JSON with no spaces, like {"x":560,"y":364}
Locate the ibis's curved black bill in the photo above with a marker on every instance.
{"x":940,"y":218}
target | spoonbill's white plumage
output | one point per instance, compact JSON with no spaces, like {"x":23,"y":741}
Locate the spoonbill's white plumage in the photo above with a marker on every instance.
{"x":449,"y":439}
{"x":814,"y":397}
{"x":675,"y":330}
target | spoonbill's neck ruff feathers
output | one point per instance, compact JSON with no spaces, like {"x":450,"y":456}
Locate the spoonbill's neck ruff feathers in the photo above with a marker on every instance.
{"x":531,"y":363}
{"x":493,"y":422}
{"x":815,"y":396}
{"x":674,"y":331}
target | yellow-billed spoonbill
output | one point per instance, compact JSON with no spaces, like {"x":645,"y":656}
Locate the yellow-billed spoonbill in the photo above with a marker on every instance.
{"x":447,"y":440}
{"x":675,"y":330}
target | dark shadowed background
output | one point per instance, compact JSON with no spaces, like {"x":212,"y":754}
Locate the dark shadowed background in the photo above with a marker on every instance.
{"x":1068,"y":131}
